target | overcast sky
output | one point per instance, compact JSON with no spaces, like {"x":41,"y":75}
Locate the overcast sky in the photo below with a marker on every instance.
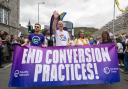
{"x":85,"y":13}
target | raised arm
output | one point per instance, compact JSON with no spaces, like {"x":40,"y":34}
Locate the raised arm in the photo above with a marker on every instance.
{"x":54,"y":21}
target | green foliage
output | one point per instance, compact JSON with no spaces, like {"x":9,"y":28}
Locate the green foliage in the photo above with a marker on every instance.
{"x":30,"y":29}
{"x":87,"y":31}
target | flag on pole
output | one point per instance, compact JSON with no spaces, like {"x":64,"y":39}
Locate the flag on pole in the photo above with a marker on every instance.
{"x":118,"y":6}
{"x":62,"y":15}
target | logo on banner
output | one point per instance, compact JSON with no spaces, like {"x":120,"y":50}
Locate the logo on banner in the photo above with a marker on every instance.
{"x":19,"y":73}
{"x":16,"y":73}
{"x":107,"y":70}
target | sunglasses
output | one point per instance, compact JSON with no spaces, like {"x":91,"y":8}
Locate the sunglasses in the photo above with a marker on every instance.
{"x":37,"y":27}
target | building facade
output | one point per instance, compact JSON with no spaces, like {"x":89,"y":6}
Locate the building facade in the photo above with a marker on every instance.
{"x":120,"y":25}
{"x":9,"y":16}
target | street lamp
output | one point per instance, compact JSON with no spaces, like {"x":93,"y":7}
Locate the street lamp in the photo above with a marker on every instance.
{"x":39,"y":9}
{"x":114,"y":9}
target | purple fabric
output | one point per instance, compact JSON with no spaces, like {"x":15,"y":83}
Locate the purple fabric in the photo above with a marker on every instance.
{"x":61,"y":66}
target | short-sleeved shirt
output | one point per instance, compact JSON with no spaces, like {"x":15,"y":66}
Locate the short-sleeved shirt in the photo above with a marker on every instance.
{"x":81,"y":41}
{"x":62,"y":38}
{"x":120,"y":47}
{"x":36,"y":39}
{"x":126,"y":41}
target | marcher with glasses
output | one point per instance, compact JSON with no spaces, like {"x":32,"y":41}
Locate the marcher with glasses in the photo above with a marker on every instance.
{"x":36,"y":38}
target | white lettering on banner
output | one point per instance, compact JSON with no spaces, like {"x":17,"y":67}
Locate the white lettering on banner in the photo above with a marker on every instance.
{"x":48,"y":60}
{"x":66,"y":72}
{"x":62,"y":56}
{"x":66,"y":64}
{"x":55,"y":56}
{"x":24,"y":56}
{"x":105,"y":54}
{"x":77,"y":75}
{"x":83,"y":68}
{"x":79,"y":55}
{"x":38,"y":70}
{"x":60,"y":72}
{"x":31,"y":56}
{"x":98,"y":55}
{"x":58,"y":56}
{"x":75,"y":55}
{"x":46,"y":73}
{"x":54,"y":73}
{"x":72,"y":72}
{"x":91,"y":73}
{"x":39,"y":56}
{"x":88,"y":56}
{"x":69,"y":56}
{"x":93,"y":55}
{"x":96,"y":70}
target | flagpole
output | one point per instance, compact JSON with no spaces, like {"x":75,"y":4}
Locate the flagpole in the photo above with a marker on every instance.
{"x":114,"y":19}
{"x":39,"y":10}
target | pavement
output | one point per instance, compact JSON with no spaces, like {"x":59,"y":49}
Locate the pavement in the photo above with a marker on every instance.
{"x":5,"y":73}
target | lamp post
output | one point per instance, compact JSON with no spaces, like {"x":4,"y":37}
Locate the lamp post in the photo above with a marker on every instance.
{"x":114,"y":18}
{"x":39,"y":10}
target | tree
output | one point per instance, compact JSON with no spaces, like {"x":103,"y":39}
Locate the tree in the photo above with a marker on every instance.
{"x":30,"y":27}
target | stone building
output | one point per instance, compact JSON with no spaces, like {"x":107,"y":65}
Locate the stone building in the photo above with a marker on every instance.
{"x":9,"y":16}
{"x":120,"y":25}
{"x":23,"y":30}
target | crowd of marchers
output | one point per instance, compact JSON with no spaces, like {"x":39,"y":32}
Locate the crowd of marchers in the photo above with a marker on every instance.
{"x":61,"y":37}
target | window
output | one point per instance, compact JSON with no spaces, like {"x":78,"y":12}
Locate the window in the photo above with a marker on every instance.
{"x":4,"y":16}
{"x":1,"y":15}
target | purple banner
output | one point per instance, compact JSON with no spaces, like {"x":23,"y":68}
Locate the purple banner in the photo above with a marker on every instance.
{"x":61,"y":66}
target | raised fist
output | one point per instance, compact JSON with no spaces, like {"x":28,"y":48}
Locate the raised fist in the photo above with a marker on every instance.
{"x":56,"y":14}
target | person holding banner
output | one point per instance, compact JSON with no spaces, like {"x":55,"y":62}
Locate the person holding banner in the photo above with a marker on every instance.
{"x":126,"y":56}
{"x":1,"y":53}
{"x":47,"y":39}
{"x":36,"y":38}
{"x":120,"y":52}
{"x":81,"y":40}
{"x":105,"y":38}
{"x":62,"y":36}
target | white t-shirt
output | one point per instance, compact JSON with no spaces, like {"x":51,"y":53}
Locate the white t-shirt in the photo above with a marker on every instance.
{"x":62,"y":38}
{"x":120,"y":48}
{"x":126,"y":41}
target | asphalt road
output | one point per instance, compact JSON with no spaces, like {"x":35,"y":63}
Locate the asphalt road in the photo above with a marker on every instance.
{"x":5,"y":72}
